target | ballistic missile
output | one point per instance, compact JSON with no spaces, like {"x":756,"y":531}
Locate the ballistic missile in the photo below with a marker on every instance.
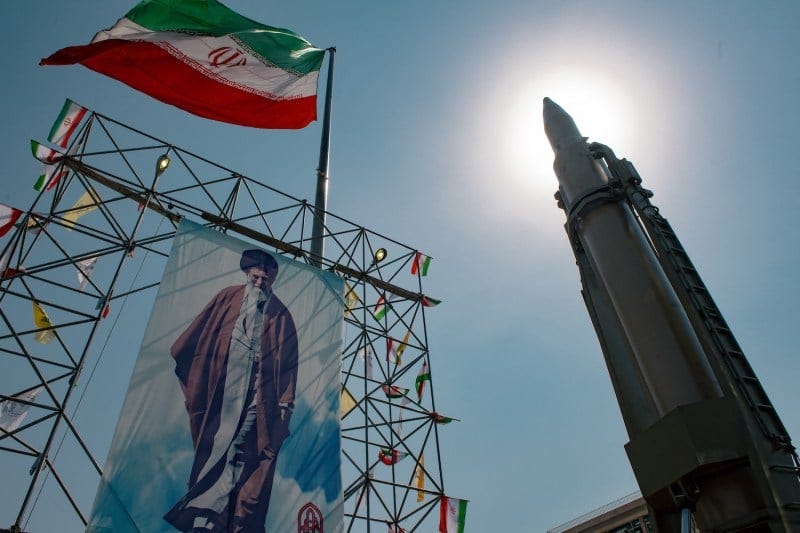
{"x":704,"y":437}
{"x":668,"y":355}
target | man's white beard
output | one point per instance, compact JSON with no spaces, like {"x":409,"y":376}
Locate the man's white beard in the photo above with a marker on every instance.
{"x":255,"y":294}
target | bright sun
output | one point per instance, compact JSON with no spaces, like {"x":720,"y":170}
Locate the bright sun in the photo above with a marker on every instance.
{"x":597,"y":104}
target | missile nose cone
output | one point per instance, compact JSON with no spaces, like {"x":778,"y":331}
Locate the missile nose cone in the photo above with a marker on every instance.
{"x":558,"y":125}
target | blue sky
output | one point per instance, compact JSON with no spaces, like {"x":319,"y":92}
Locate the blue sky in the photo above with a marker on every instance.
{"x":437,"y":142}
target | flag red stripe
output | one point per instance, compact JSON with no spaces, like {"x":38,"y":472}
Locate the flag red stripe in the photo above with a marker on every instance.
{"x":443,"y":515}
{"x":152,"y":70}
{"x":73,"y":127}
{"x":12,"y":219}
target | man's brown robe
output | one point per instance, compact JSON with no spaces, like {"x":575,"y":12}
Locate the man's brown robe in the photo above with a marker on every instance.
{"x":201,"y":358}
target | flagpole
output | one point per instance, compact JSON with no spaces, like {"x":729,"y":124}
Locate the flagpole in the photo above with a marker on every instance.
{"x":321,"y":200}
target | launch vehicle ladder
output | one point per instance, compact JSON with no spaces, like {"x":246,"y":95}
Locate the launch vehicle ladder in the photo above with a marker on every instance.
{"x":684,"y":275}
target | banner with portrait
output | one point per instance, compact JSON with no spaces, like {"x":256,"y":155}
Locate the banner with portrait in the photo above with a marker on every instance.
{"x":231,"y":418}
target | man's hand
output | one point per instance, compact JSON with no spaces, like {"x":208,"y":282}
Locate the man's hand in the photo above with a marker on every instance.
{"x":286,"y":411}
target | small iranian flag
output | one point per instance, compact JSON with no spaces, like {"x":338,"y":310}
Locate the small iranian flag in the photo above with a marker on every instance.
{"x":393,"y":391}
{"x":381,"y":307}
{"x":390,"y":457}
{"x":44,"y":154}
{"x":440,"y":419}
{"x":8,"y":217}
{"x":427,"y":301}
{"x":452,"y":513}
{"x":423,"y":376}
{"x":420,"y":264}
{"x":103,"y":301}
{"x":52,"y":172}
{"x":66,"y":123}
{"x":208,"y":60}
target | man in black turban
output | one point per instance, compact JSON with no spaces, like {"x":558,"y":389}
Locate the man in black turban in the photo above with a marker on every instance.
{"x":237,"y":367}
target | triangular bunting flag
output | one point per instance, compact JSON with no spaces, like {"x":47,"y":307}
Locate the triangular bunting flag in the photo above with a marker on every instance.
{"x":12,"y":413}
{"x":85,"y":268}
{"x":347,"y":403}
{"x":86,"y":203}
{"x":42,"y":321}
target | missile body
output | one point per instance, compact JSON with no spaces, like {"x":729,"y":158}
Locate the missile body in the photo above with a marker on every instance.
{"x":697,"y":439}
{"x":668,"y":354}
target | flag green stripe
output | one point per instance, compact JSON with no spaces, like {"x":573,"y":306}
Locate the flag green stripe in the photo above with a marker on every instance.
{"x":425,"y":265}
{"x":281,"y":47}
{"x":59,"y":120}
{"x":462,"y":515}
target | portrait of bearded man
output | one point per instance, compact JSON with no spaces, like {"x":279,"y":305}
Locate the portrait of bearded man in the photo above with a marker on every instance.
{"x":237,"y":368}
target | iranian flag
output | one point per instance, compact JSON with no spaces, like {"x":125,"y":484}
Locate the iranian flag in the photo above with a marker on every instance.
{"x":420,"y":264}
{"x":394,"y":392}
{"x":202,"y":57}
{"x":423,"y":376}
{"x":427,"y":301}
{"x":8,"y":217}
{"x":440,"y":419}
{"x":52,"y":172}
{"x":381,"y":307}
{"x":66,"y":123}
{"x":390,"y":457}
{"x":452,"y":513}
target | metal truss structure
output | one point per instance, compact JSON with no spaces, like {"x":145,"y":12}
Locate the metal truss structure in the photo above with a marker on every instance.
{"x":112,"y":204}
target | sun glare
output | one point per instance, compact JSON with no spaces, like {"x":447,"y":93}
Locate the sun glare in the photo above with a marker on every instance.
{"x":596,"y":103}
